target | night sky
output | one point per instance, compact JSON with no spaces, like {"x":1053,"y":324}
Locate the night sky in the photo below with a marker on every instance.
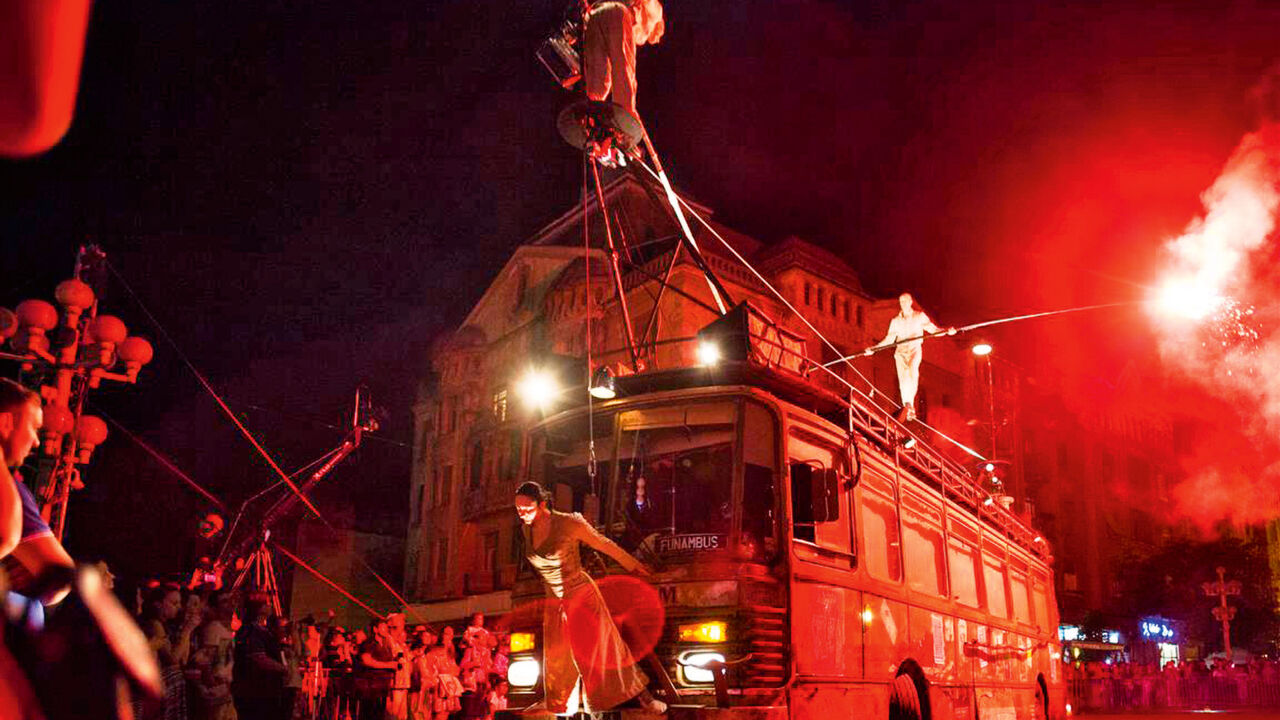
{"x":307,"y":194}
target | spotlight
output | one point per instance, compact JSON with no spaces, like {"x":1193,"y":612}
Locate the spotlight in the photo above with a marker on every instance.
{"x":538,"y":388}
{"x":989,"y":467}
{"x":708,"y":353}
{"x":906,"y":442}
{"x":981,"y":349}
{"x":603,"y":385}
{"x":989,"y":501}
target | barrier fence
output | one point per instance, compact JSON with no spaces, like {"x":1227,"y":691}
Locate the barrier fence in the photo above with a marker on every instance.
{"x":1174,"y":692}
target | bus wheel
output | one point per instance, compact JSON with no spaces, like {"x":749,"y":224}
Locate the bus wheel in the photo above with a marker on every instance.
{"x":909,"y":695}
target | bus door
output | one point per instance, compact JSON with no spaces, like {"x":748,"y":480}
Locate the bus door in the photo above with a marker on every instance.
{"x":826,"y":629}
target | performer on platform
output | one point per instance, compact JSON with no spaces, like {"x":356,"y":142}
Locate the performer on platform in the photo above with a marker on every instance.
{"x":909,"y":325}
{"x":592,"y":650}
{"x":611,"y":33}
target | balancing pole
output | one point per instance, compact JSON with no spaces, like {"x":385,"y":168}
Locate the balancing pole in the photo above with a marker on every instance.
{"x":975,"y":326}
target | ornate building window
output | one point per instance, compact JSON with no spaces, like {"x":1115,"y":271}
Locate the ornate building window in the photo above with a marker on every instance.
{"x":500,"y":406}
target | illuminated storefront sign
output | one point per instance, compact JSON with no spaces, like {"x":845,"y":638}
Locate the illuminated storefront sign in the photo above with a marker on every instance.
{"x":1156,"y":628}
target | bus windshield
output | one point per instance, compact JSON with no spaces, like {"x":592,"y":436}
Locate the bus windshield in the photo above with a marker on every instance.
{"x":675,"y":488}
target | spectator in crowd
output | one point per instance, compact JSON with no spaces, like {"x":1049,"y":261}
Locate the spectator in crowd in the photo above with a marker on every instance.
{"x":212,"y":661}
{"x":309,"y":643}
{"x":37,"y":564}
{"x":168,"y":625}
{"x":476,"y":633}
{"x":497,"y":700}
{"x":272,"y":668}
{"x":375,"y":671}
{"x":337,"y":662}
{"x":444,"y":660}
{"x":501,"y":657}
{"x":398,"y":699}
{"x":259,"y":671}
{"x":293,"y":661}
{"x":425,"y":677}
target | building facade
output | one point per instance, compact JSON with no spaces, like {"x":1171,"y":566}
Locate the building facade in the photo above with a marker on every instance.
{"x":546,"y":309}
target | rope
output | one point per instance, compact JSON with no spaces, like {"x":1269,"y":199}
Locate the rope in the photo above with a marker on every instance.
{"x":245,"y":431}
{"x":320,"y":576}
{"x":161,"y":459}
{"x":214,"y":499}
{"x":213,"y":393}
{"x":245,"y":505}
{"x":763,"y":281}
{"x":315,"y":421}
{"x":586,"y":264}
{"x":872,"y":388}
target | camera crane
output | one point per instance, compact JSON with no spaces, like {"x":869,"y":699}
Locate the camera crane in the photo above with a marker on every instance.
{"x":253,"y":548}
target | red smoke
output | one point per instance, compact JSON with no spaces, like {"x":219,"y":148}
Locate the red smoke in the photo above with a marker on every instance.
{"x":1216,"y":311}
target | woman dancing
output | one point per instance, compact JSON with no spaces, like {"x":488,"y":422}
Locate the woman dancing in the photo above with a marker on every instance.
{"x":593,"y":652}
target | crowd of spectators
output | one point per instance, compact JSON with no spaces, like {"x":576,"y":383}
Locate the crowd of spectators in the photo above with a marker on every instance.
{"x":223,"y":660}
{"x":1189,"y":684}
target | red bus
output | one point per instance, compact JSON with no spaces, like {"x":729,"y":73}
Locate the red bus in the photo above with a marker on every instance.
{"x":835,"y":568}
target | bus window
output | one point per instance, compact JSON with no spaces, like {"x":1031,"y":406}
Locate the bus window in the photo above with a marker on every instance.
{"x":815,"y":498}
{"x":880,"y":537}
{"x":922,"y":553}
{"x":758,"y":512}
{"x":817,"y":494}
{"x":676,"y":489}
{"x":1018,"y":594}
{"x":993,"y":578}
{"x":964,"y":571}
{"x":559,"y":461}
{"x":759,"y":506}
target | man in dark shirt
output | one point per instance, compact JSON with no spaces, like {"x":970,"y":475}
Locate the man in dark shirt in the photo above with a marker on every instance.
{"x":257,"y":682}
{"x":376,"y":670}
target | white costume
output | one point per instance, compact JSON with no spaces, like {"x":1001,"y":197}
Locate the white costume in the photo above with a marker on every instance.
{"x":908,"y":355}
{"x":613,"y":30}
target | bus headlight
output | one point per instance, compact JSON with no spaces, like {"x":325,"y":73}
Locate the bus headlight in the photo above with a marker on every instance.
{"x":704,"y":632}
{"x":523,"y":673}
{"x":693,"y":666}
{"x":523,"y":642}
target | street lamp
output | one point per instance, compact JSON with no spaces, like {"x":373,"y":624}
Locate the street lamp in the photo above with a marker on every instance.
{"x":983,"y":350}
{"x":65,"y":350}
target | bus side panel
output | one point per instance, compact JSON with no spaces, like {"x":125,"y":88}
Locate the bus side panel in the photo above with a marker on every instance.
{"x":888,"y":641}
{"x":812,"y":701}
{"x":1003,"y":703}
{"x":930,"y":646}
{"x":951,"y":702}
{"x":826,"y":630}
